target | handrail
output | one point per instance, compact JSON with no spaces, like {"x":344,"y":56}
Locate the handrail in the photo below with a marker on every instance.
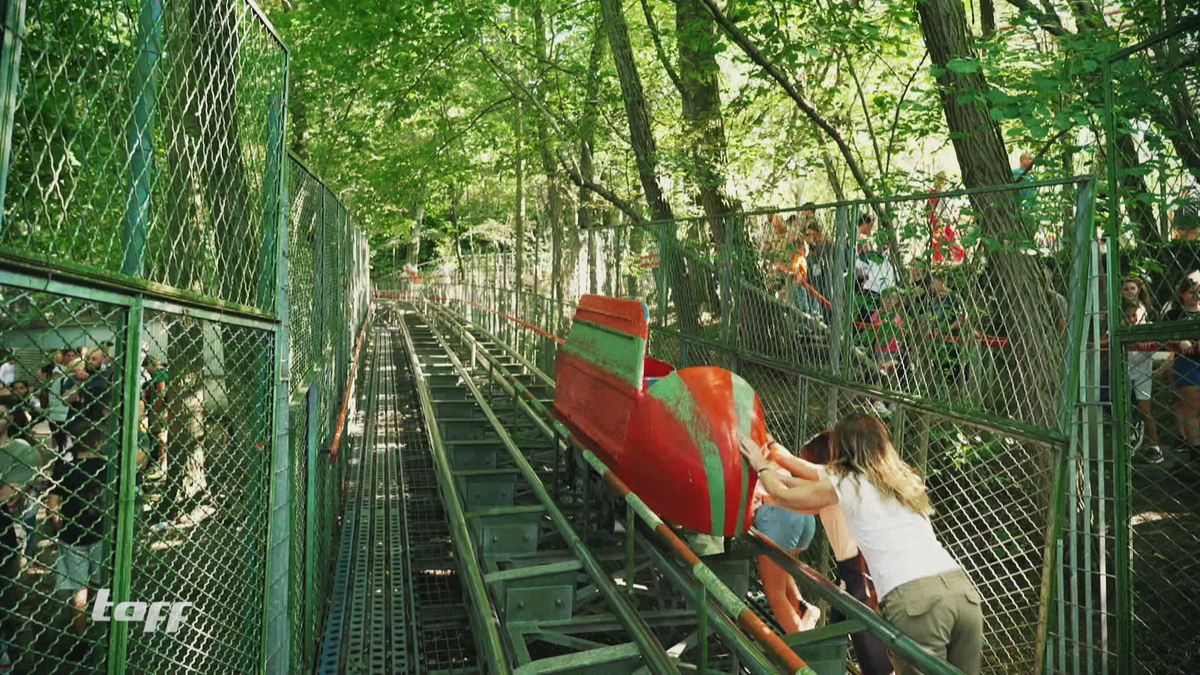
{"x":341,"y":424}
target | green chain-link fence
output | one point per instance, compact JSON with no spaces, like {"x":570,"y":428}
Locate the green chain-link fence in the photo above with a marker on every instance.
{"x":179,"y":307}
{"x":1149,"y":384}
{"x":959,"y":321}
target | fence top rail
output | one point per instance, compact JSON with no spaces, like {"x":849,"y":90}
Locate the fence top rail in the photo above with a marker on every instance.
{"x":1184,"y":26}
{"x":270,"y":27}
{"x":295,"y":159}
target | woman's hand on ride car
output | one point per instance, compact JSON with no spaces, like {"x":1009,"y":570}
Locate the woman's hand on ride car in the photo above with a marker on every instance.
{"x":753,"y":454}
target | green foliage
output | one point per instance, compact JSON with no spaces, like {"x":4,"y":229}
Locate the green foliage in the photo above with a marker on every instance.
{"x":394,"y":102}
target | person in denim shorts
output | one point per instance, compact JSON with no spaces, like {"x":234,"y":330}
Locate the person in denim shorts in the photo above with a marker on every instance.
{"x":792,"y":532}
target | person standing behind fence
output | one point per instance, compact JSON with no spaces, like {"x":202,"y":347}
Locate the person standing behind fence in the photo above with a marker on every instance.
{"x":925,"y":592}
{"x":8,"y":371}
{"x":820,"y":254}
{"x":1185,"y":371}
{"x":92,"y":398}
{"x":26,"y":411}
{"x":942,"y":235}
{"x":873,"y":270}
{"x":1024,"y":174}
{"x":19,"y":466}
{"x":154,"y":395}
{"x":1140,"y":364}
{"x":58,"y":408}
{"x":76,"y":504}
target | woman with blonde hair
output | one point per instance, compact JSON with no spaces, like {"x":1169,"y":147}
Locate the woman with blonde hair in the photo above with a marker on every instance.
{"x":924,"y":591}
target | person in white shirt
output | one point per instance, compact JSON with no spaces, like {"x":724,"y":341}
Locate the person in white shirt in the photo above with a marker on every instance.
{"x":924,"y":591}
{"x":8,"y":371}
{"x":853,"y":574}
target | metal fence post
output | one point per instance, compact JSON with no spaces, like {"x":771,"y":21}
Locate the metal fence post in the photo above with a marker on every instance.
{"x":141,"y":138}
{"x":277,"y":639}
{"x":843,"y":272}
{"x":1124,"y":552}
{"x":127,"y":506}
{"x":10,"y":60}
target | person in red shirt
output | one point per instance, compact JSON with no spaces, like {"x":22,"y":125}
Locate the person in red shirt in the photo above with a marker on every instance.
{"x":942,"y":235}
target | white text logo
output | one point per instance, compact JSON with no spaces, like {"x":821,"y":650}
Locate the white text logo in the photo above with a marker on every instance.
{"x":152,"y":613}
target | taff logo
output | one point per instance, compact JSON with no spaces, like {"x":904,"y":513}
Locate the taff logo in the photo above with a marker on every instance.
{"x":137,"y":611}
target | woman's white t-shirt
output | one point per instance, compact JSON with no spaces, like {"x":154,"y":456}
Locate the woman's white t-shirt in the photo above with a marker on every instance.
{"x":898,"y":543}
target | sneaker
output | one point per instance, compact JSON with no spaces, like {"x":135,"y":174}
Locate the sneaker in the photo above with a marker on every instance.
{"x":1153,"y":454}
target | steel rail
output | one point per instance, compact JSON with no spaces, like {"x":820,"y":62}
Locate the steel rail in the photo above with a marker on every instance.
{"x":651,"y":649}
{"x":486,"y":621}
{"x":725,"y":598}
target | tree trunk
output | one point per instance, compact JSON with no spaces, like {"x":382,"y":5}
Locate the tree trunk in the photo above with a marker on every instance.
{"x":587,"y":134}
{"x":987,"y":19}
{"x":1024,"y":314}
{"x":645,"y":151}
{"x":550,"y":167}
{"x":641,"y":134}
{"x":414,"y":247}
{"x":700,"y":90}
{"x":519,"y":208}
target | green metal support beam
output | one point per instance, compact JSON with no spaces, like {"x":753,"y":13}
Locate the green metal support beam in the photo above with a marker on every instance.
{"x":141,"y":138}
{"x":10,"y":63}
{"x":127,"y":506}
{"x":486,"y":623}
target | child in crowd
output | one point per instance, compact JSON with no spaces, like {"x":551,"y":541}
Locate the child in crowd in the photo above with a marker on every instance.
{"x":1185,"y":371}
{"x":887,"y":323}
{"x":947,"y":317}
{"x":1140,"y":366}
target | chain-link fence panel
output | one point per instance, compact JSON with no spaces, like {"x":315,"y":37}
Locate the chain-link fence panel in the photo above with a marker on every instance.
{"x":304,"y":220}
{"x":63,"y":404}
{"x":1154,"y":394}
{"x":994,"y":492}
{"x":299,"y":609}
{"x":203,"y":536}
{"x":147,"y":140}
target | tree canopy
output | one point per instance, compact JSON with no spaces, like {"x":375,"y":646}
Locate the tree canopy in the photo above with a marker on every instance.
{"x":428,"y":115}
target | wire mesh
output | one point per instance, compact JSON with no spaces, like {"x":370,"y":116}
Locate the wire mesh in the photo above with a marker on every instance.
{"x":62,"y":420}
{"x":148,"y":147}
{"x":1154,"y":157}
{"x":149,"y":129}
{"x":1144,"y":377}
{"x":202,"y":540}
{"x":954,"y":323}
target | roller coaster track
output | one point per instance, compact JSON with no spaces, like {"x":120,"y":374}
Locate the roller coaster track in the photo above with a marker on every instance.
{"x":469,"y":513}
